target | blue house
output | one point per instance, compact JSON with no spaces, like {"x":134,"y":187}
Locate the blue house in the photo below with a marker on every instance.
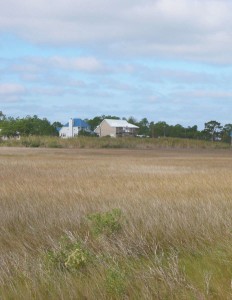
{"x":73,"y":127}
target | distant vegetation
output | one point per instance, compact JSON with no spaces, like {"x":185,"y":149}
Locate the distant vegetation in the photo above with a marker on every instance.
{"x":107,"y":142}
{"x":34,"y":126}
{"x":12,"y":127}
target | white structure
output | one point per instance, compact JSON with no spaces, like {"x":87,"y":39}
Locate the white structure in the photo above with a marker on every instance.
{"x":5,"y":138}
{"x":72,"y":128}
{"x":115,"y":128}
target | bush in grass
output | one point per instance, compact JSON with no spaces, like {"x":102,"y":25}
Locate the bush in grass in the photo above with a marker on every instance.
{"x":54,"y":144}
{"x":70,"y":256}
{"x":33,"y":142}
{"x":115,"y":282}
{"x":106,"y":223}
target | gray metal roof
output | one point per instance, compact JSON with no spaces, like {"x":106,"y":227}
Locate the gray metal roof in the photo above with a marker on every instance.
{"x":120,"y":123}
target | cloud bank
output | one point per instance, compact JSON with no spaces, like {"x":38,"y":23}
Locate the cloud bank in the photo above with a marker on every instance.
{"x":198,"y":30}
{"x":163,"y":59}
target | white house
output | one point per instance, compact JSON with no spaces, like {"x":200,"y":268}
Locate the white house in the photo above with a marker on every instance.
{"x":115,"y":128}
{"x":5,"y":138}
{"x":72,"y":128}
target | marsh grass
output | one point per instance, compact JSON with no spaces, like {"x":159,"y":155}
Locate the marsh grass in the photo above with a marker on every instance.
{"x":111,"y":143}
{"x":115,"y":224}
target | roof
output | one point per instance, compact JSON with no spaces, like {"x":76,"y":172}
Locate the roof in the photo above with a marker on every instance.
{"x":120,"y":123}
{"x":78,"y":123}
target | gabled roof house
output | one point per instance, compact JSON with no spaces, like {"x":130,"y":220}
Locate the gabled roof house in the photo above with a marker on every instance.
{"x":116,"y":128}
{"x":73,"y":127}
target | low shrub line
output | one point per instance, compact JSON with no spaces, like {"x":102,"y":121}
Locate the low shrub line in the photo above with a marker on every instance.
{"x":127,"y":143}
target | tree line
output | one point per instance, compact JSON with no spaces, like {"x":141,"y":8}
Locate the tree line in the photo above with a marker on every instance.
{"x":213,"y":130}
{"x":33,"y":125}
{"x":30,"y":125}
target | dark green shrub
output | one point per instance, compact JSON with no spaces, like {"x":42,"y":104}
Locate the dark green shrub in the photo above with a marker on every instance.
{"x":35,"y":144}
{"x":54,"y":144}
{"x":106,"y":223}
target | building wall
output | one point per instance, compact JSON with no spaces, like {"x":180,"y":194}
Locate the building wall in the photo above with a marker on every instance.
{"x":70,"y":131}
{"x":6,"y":138}
{"x":104,"y":129}
{"x":66,"y":132}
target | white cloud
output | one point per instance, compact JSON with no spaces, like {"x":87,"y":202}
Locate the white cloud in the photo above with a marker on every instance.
{"x":189,"y":29}
{"x":11,"y":92}
{"x":11,"y":89}
{"x":38,"y":64}
{"x":199,"y":95}
{"x":88,"y":64}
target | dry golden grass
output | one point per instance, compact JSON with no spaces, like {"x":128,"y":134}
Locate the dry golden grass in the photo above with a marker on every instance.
{"x":176,"y":236}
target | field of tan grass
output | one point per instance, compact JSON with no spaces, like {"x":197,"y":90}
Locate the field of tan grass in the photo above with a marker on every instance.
{"x":115,"y":224}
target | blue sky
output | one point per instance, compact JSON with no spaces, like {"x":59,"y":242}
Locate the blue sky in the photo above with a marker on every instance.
{"x":167,"y":60}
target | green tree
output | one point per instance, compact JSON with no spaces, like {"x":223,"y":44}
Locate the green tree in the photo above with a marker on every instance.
{"x":226,"y":131}
{"x":191,"y":132}
{"x":57,"y":124}
{"x":2,"y":116}
{"x":8,"y":128}
{"x":144,"y":127}
{"x":176,"y":131}
{"x":93,"y":123}
{"x":159,"y":129}
{"x":213,"y":130}
{"x":27,"y":126}
{"x":132,"y":120}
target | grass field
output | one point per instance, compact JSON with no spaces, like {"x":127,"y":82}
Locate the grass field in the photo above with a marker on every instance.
{"x":82,"y":142}
{"x":115,"y":224}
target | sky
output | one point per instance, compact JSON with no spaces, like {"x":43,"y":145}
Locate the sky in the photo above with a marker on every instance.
{"x":166,"y":60}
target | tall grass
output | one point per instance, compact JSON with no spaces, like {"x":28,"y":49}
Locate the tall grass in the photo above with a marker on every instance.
{"x":129,"y":143}
{"x":115,"y":224}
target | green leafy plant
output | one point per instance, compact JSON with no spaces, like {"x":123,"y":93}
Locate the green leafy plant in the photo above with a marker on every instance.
{"x":70,"y":255}
{"x":106,"y":223}
{"x":115,"y":282}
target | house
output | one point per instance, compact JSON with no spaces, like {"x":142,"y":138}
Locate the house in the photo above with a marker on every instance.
{"x":5,"y":138}
{"x":116,"y":128}
{"x":72,"y":128}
